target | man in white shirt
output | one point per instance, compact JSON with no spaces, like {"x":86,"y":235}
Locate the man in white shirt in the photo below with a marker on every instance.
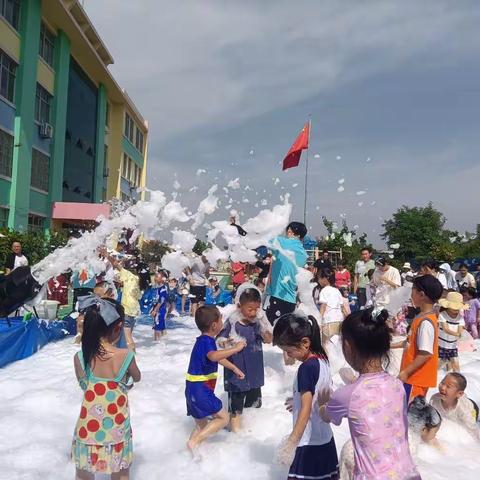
{"x":16,"y":258}
{"x":386,"y":279}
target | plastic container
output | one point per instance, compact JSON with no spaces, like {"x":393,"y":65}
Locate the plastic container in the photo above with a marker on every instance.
{"x":51,"y":308}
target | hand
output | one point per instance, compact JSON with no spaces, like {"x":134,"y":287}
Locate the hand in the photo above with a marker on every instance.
{"x":239,"y":374}
{"x":239,"y":346}
{"x":402,"y":376}
{"x":289,"y":404}
{"x":323,"y":397}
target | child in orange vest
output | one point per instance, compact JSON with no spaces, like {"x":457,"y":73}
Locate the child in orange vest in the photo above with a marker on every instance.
{"x":420,"y":356}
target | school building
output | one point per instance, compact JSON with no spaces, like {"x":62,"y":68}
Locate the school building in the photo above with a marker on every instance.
{"x":70,"y":137}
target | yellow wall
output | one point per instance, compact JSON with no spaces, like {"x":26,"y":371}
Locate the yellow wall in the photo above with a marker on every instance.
{"x":9,"y":40}
{"x":45,"y":76}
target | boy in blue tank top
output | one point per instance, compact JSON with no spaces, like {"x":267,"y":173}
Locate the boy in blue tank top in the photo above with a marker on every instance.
{"x":202,"y":404}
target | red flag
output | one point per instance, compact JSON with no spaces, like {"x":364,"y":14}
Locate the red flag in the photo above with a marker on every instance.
{"x":301,"y":142}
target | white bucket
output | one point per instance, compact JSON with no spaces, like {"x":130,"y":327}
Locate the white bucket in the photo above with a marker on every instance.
{"x":51,"y":308}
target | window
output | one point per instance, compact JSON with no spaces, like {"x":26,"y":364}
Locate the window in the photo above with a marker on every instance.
{"x":40,"y":170}
{"x":43,"y":103}
{"x":6,"y":154}
{"x":139,"y":141}
{"x":8,"y":69}
{"x":125,"y":166}
{"x":36,"y":223}
{"x":47,"y":42}
{"x":129,"y":127}
{"x":10,"y":10}
{"x":3,"y":217}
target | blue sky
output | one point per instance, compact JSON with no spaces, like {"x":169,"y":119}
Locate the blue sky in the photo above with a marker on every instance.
{"x":396,"y":82}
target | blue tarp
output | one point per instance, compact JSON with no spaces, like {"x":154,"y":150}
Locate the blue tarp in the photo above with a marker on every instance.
{"x":22,"y":338}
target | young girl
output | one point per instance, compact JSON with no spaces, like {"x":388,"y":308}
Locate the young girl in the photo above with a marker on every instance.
{"x":451,"y":324}
{"x":102,"y":441}
{"x":374,"y":403}
{"x":332,"y":309}
{"x":472,"y":313}
{"x":346,"y":300}
{"x":311,"y":438}
{"x":342,"y":276}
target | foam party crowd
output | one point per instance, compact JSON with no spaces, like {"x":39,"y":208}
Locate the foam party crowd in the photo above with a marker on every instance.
{"x":253,"y":360}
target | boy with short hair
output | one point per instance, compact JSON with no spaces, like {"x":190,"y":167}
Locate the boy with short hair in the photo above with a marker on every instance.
{"x":202,"y":376}
{"x":452,"y":403}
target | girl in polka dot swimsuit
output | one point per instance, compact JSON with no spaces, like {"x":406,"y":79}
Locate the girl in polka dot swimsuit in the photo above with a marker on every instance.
{"x":102,"y":441}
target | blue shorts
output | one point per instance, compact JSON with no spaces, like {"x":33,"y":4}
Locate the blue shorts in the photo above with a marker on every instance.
{"x":201,"y":400}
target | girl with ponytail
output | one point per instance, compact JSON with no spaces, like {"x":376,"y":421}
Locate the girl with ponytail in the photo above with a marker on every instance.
{"x":374,"y":404}
{"x":102,"y":441}
{"x":310,"y":448}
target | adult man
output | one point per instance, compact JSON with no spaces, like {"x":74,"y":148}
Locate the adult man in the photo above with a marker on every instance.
{"x":15,"y":258}
{"x":464,"y":278}
{"x":323,"y":262}
{"x":386,"y":279}
{"x":288,"y":255}
{"x":197,"y":279}
{"x":360,"y":280}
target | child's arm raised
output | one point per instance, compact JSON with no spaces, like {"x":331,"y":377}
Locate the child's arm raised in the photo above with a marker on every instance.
{"x":219,"y":355}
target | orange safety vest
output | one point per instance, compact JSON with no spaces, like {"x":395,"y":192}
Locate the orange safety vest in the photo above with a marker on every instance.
{"x":426,"y":375}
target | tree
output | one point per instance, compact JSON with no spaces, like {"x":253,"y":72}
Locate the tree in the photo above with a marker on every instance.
{"x":420,"y":233}
{"x":345,"y":239}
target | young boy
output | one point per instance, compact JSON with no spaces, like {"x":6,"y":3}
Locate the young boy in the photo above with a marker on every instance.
{"x":202,"y":376}
{"x":419,"y":366}
{"x":172,"y":293}
{"x":452,"y":403}
{"x":248,"y":321}
{"x":159,"y":310}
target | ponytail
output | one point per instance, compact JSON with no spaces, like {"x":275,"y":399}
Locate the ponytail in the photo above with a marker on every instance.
{"x":95,"y":328}
{"x":290,"y":329}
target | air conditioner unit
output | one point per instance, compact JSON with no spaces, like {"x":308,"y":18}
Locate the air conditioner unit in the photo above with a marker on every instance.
{"x":46,"y":130}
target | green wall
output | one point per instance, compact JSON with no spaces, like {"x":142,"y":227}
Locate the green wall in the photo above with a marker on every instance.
{"x":25,"y":112}
{"x":132,"y":152}
{"x":100,"y":144}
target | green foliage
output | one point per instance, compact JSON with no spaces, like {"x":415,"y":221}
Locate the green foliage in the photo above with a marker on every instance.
{"x":35,"y":245}
{"x":153,"y":251}
{"x":420,"y":233}
{"x":337,"y":240}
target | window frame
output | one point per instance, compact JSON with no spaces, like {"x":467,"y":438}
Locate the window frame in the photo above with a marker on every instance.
{"x":46,"y":48}
{"x":12,"y":17}
{"x":7,"y":173}
{"x":43,"y":104}
{"x":41,"y":171}
{"x":129,"y":127}
{"x":139,"y":140}
{"x":8,"y":65}
{"x":33,"y":227}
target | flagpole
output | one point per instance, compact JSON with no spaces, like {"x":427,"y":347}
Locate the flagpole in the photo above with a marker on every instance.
{"x":306,"y":174}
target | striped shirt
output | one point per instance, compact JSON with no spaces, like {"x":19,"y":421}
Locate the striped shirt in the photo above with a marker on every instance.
{"x":445,"y":340}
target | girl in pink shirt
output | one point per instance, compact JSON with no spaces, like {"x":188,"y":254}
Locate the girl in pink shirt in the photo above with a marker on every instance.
{"x":374,"y":404}
{"x":342,"y":276}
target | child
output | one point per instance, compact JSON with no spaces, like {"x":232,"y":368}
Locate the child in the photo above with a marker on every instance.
{"x":248,"y":322}
{"x":102,"y":440}
{"x":332,"y":309}
{"x":471,"y":314}
{"x":452,"y":403}
{"x":346,"y":300}
{"x":311,"y":438}
{"x":370,"y":290}
{"x":374,"y":404}
{"x":451,"y":325}
{"x":159,"y":310}
{"x":418,"y":370}
{"x":202,"y":376}
{"x":172,"y":293}
{"x":424,"y":420}
{"x":342,"y":276}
